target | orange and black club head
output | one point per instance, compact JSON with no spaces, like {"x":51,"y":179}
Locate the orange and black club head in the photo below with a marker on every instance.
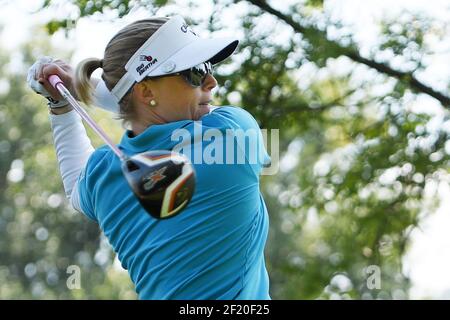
{"x":163,"y":181}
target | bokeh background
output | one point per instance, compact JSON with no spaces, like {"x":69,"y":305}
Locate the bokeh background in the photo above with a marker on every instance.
{"x":359,"y":91}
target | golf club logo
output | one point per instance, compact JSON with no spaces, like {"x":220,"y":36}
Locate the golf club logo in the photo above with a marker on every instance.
{"x":150,"y":180}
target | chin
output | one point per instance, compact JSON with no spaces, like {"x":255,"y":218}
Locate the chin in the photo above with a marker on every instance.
{"x":200,"y":111}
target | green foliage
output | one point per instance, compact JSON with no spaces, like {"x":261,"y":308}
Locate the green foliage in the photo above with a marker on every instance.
{"x":314,"y":3}
{"x":400,"y":35}
{"x":40,"y":236}
{"x":86,"y":8}
{"x":55,"y":25}
{"x":357,"y":190}
{"x":405,"y":37}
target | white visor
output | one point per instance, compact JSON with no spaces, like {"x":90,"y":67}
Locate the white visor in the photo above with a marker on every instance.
{"x":172,"y":48}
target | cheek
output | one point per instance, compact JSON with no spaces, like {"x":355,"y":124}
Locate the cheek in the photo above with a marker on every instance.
{"x":182,"y":105}
{"x":181,"y":100}
{"x":188,"y":99}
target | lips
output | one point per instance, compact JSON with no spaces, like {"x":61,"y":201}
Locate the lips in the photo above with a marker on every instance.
{"x":204,"y":103}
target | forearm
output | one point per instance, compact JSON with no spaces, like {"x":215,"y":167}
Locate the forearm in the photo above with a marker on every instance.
{"x":73,"y":146}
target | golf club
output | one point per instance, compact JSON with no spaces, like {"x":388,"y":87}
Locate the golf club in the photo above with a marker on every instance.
{"x":163,"y":181}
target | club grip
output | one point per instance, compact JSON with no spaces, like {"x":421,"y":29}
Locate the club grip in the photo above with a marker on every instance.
{"x":55,"y":80}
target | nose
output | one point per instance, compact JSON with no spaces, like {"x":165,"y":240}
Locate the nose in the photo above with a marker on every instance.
{"x":209,"y":83}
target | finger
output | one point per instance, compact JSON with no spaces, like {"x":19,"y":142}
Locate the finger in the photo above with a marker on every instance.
{"x":47,"y":70}
{"x":40,"y":72}
{"x":63,"y":65}
{"x":35,"y":73}
{"x":52,"y":69}
{"x":67,"y":68}
{"x":51,"y":90}
{"x":35,"y":69}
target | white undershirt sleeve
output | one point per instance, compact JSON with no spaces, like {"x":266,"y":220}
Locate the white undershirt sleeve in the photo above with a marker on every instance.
{"x":73,"y":148}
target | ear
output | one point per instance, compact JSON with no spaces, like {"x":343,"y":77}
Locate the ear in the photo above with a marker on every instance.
{"x":144,"y":92}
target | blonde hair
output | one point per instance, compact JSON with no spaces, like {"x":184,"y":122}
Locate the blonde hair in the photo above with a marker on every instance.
{"x":118,"y":51}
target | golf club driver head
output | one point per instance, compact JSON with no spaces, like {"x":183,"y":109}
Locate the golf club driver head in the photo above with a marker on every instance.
{"x":163,"y":181}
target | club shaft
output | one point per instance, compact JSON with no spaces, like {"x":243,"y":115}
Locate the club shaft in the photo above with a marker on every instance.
{"x":59,"y":85}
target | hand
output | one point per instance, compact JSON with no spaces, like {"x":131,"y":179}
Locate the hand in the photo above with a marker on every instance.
{"x":38,"y":79}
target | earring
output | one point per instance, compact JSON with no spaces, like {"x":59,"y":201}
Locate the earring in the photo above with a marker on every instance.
{"x":153,"y":103}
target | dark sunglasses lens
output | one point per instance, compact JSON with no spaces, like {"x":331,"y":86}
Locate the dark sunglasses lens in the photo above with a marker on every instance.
{"x":196,"y":75}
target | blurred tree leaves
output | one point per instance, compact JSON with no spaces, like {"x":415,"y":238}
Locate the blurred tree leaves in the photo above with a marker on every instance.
{"x":87,"y":8}
{"x":40,"y":236}
{"x":359,"y":169}
{"x":314,"y":3}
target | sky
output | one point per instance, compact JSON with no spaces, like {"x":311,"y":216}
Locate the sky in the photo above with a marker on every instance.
{"x":428,"y":260}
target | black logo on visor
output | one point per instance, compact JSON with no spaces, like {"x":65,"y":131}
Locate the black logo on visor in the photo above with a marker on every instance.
{"x":144,"y":67}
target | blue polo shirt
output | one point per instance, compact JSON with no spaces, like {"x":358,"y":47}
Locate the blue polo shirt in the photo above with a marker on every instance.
{"x":214,"y":249}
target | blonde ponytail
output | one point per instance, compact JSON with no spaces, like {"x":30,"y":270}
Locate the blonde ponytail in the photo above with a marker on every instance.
{"x":83,"y":72}
{"x":117,"y":52}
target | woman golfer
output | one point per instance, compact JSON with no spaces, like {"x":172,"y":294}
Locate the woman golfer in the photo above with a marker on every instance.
{"x":158,"y":74}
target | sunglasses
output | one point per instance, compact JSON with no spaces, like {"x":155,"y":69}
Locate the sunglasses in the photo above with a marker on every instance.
{"x":195,"y":76}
